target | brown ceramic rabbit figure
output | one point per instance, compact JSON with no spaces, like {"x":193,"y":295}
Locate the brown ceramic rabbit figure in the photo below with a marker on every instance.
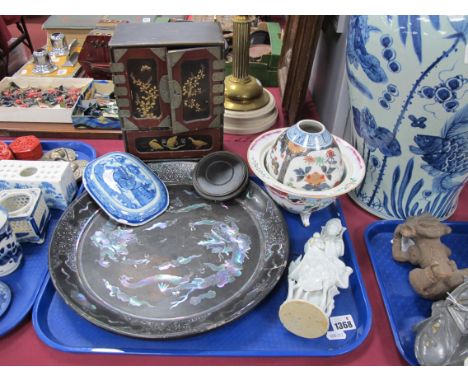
{"x":417,"y":241}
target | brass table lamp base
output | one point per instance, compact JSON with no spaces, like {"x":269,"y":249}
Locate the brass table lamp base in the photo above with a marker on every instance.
{"x":251,"y":121}
{"x":248,"y":108}
{"x":244,"y":94}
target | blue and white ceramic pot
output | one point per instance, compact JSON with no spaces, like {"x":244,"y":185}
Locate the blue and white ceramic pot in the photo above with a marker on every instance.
{"x":10,"y":251}
{"x":408,"y":83}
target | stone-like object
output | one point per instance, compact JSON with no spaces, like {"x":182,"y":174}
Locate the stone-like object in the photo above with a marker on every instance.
{"x":417,"y":241}
{"x":60,"y":153}
{"x":442,"y":339}
{"x":67,"y":155}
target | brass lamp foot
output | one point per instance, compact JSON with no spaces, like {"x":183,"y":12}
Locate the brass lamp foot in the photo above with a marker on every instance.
{"x":244,"y":94}
{"x":251,"y":121}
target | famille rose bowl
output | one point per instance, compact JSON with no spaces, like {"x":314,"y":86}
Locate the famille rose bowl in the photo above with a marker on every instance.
{"x":306,"y":156}
{"x":301,"y":200}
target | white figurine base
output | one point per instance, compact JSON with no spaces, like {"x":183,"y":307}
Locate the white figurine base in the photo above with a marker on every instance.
{"x":303,"y":318}
{"x":251,"y":122}
{"x":313,"y":282}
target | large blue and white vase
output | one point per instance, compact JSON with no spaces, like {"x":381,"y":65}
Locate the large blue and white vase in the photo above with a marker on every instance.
{"x":408,"y":83}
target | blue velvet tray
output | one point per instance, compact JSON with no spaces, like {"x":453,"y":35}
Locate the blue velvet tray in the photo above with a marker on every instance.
{"x":404,"y":307}
{"x":258,"y":333}
{"x":25,"y":283}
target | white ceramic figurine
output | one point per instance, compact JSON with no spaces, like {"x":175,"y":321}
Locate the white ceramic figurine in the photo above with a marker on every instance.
{"x":313,"y":282}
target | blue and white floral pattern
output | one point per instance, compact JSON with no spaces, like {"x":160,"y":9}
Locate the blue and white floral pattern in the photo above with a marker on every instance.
{"x":445,"y":93}
{"x":359,"y":57}
{"x":446,"y":155}
{"x":410,"y":128}
{"x":375,"y":137}
{"x":417,"y":122}
{"x":10,"y":251}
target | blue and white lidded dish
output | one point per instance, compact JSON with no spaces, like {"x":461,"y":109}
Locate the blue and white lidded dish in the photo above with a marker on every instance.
{"x":125,"y":188}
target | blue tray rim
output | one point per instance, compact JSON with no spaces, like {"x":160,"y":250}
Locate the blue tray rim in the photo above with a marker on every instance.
{"x":370,"y":231}
{"x":91,"y":149}
{"x":360,"y":280}
{"x":30,"y":304}
{"x":179,"y":353}
{"x":34,"y":298}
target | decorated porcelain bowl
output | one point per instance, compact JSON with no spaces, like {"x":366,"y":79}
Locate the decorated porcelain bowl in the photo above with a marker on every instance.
{"x":306,"y":156}
{"x":300,"y":200}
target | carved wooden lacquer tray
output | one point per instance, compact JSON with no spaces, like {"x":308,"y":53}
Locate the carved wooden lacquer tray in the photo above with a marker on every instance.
{"x":198,"y":266}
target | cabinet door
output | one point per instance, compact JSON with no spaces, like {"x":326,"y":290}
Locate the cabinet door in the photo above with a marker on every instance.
{"x":196,"y":88}
{"x":140,"y":77}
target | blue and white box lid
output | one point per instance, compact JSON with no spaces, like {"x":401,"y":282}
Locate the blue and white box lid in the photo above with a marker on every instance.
{"x":125,"y":188}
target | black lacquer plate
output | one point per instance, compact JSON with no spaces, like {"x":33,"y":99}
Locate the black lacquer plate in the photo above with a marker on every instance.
{"x":198,"y":266}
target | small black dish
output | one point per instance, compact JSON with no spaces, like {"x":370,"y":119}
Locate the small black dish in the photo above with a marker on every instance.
{"x":220,"y":176}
